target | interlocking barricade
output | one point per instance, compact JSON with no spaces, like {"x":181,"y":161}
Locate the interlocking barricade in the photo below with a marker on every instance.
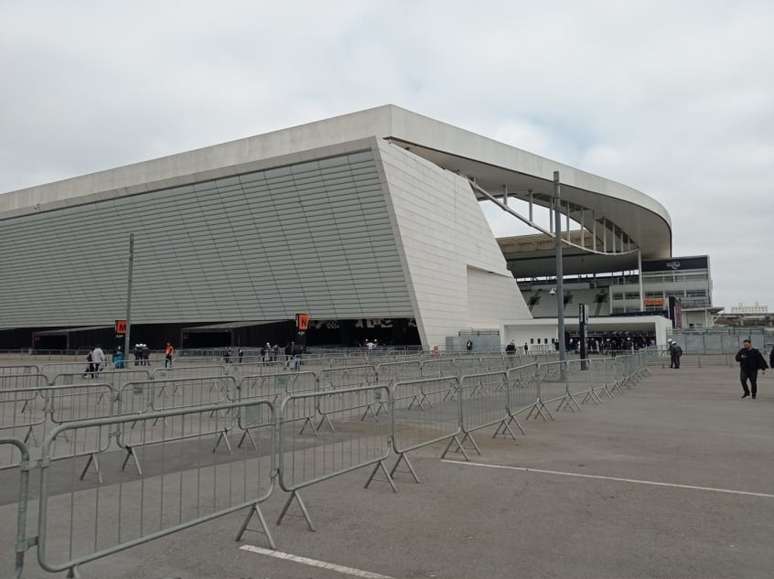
{"x":468,"y":365}
{"x":188,"y":372}
{"x":391,"y":372}
{"x":425,"y":412}
{"x":257,"y":368}
{"x":524,"y":384}
{"x":276,"y":386}
{"x":22,"y":417}
{"x":347,"y":377}
{"x":81,"y":367}
{"x":272,"y":387}
{"x":21,"y":456}
{"x":437,"y":367}
{"x":485,"y":402}
{"x":184,"y":484}
{"x":22,"y":380}
{"x":552,"y":386}
{"x":167,"y":394}
{"x":346,"y":438}
{"x":71,"y":403}
{"x":18,"y":370}
{"x":116,"y":378}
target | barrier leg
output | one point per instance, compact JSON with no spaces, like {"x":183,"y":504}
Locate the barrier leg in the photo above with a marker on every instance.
{"x":505,"y":427}
{"x":455,"y":440}
{"x":92,"y":460}
{"x":72,"y":573}
{"x":380,"y":466}
{"x":469,"y":436}
{"x":249,"y":436}
{"x":130,"y":453}
{"x":324,"y":420}
{"x":404,"y":457}
{"x":255,"y":510}
{"x":308,"y":422}
{"x":223,"y":435}
{"x":297,"y":497}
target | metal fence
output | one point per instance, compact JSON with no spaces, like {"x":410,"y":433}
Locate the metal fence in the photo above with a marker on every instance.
{"x":311,"y":455}
{"x":184,"y":484}
{"x":180,"y":435}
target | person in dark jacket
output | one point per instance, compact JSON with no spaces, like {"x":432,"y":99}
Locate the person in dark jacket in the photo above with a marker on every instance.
{"x":675,"y":353}
{"x":750,"y":361}
{"x":771,"y":358}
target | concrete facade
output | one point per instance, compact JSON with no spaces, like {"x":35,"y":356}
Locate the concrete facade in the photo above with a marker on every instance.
{"x":364,"y":216}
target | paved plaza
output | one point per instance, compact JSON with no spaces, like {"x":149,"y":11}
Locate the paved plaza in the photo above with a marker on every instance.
{"x":672,"y":478}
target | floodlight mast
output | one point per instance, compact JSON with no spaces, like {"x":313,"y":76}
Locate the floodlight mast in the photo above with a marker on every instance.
{"x":559,"y":274}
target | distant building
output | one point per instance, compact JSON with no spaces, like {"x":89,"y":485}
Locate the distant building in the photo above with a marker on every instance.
{"x":747,"y":316}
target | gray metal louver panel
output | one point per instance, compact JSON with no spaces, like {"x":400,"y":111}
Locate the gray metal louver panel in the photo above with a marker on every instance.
{"x":315,"y":236}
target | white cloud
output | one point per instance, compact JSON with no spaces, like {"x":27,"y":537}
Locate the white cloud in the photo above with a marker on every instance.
{"x":675,"y":99}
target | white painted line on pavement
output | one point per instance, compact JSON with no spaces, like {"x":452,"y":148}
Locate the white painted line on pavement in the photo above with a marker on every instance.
{"x":613,"y":478}
{"x":314,"y":563}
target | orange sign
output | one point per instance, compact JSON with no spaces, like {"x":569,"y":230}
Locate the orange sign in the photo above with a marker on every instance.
{"x":302,"y":322}
{"x":654,"y":301}
{"x":120,"y":327}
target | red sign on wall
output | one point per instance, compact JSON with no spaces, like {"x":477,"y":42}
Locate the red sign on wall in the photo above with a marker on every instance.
{"x":120,"y":327}
{"x":302,"y":322}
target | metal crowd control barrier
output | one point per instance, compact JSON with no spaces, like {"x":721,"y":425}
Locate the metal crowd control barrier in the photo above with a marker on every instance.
{"x":29,"y":413}
{"x":18,"y":370}
{"x":81,"y":367}
{"x":188,"y":372}
{"x":180,"y":488}
{"x":272,"y":387}
{"x":138,"y":398}
{"x":20,"y":448}
{"x":241,"y":370}
{"x":310,"y":457}
{"x":347,"y":377}
{"x":425,"y":412}
{"x":16,"y":381}
{"x":116,"y":378}
{"x":437,"y":367}
{"x":486,"y":401}
{"x":524,"y":390}
{"x":22,"y":411}
{"x":391,"y":372}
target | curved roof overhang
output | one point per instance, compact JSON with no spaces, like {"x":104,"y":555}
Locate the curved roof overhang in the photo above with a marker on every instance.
{"x":495,"y":165}
{"x":492,"y":164}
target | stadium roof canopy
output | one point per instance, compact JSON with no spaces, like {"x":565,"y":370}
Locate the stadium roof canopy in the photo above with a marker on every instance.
{"x":493,"y":166}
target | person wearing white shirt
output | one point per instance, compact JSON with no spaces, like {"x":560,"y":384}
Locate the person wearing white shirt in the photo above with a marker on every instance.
{"x":97,"y":358}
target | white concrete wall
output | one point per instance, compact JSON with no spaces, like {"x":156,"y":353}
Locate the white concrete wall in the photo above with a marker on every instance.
{"x":534,"y":334}
{"x":442,"y":235}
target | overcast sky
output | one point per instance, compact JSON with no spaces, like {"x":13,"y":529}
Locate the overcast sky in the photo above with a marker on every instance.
{"x":673,"y":98}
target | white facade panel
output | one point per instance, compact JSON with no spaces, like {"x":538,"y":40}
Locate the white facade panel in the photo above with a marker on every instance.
{"x":443,"y":234}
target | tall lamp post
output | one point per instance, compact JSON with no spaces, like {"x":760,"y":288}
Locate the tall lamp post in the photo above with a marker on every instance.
{"x":559,"y":272}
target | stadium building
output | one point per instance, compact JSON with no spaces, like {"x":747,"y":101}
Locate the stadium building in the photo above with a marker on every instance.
{"x":371,"y":222}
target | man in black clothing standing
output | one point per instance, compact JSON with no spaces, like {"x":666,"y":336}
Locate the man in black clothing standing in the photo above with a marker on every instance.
{"x":750,"y":361}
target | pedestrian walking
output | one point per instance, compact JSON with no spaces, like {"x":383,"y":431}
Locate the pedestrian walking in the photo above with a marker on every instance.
{"x":526,"y":348}
{"x":118,"y":359}
{"x":89,"y":371}
{"x":241,"y":355}
{"x":98,"y":358}
{"x":750,"y":361}
{"x":469,"y":345}
{"x":169,"y":352}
